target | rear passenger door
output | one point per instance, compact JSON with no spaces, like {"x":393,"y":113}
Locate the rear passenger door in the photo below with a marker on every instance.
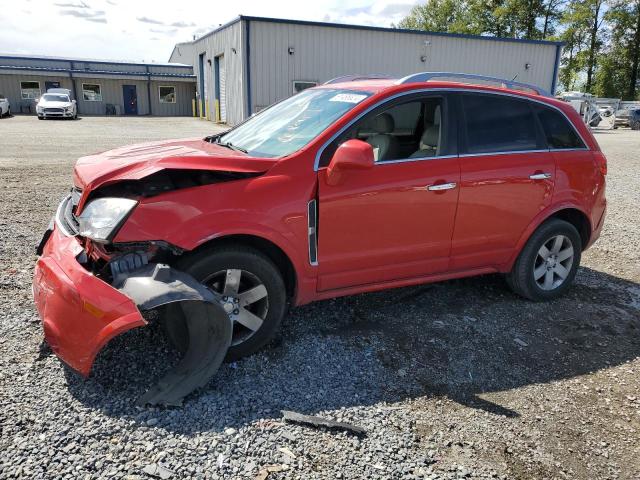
{"x":507,"y":177}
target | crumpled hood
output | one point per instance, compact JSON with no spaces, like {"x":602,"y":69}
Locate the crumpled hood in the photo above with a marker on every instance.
{"x":134,"y":162}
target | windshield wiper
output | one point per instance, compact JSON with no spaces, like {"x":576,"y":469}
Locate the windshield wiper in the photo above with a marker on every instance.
{"x":231,"y":146}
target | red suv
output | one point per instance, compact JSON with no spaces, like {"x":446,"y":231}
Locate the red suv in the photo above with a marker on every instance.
{"x":353,"y":186}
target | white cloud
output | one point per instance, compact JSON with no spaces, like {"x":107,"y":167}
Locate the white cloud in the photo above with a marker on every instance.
{"x":113,"y":29}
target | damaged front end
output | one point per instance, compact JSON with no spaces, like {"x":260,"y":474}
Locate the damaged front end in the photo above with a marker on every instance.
{"x":87,"y":292}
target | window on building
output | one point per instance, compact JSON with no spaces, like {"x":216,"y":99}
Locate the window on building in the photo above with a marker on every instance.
{"x":30,"y":90}
{"x":300,"y":85}
{"x":497,"y":123}
{"x":91,"y":92}
{"x":167,"y":94}
{"x":557,"y":129}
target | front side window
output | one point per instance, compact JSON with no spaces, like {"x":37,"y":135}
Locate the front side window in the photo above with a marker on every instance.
{"x":413,"y":129}
{"x":558,"y":130}
{"x":29,"y":90}
{"x":498,"y":124}
{"x":291,"y":124}
{"x":91,"y":92}
{"x":167,"y":94}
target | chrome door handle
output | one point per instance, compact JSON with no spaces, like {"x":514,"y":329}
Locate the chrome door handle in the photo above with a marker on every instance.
{"x":540,"y":176}
{"x":442,"y":186}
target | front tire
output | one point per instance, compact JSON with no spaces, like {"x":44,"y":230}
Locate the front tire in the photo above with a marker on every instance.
{"x":548,"y":262}
{"x":249,"y":287}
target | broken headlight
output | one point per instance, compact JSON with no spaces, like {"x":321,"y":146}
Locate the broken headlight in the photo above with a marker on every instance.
{"x":101,"y":218}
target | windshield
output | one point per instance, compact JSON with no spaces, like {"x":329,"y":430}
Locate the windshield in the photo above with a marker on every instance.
{"x":50,"y":97}
{"x":291,"y":124}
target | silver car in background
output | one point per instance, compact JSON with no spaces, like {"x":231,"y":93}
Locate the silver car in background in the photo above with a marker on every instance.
{"x":5,"y":106}
{"x":56,"y":105}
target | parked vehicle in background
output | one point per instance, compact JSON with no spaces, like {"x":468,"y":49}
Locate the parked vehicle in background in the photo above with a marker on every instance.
{"x":56,"y":105}
{"x":628,"y":117}
{"x":5,"y":106}
{"x":353,"y":186}
{"x":605,"y":111}
{"x":64,"y":91}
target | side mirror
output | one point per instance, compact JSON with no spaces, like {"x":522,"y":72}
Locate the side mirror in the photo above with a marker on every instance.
{"x":351,"y":155}
{"x":73,"y":101}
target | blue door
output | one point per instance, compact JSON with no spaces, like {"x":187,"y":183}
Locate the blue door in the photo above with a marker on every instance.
{"x":130,"y":99}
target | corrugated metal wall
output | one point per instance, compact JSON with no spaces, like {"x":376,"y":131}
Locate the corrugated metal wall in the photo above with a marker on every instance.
{"x":322,"y":53}
{"x":111,"y":76}
{"x":10,"y":86}
{"x":185,"y":92}
{"x":220,"y":42}
{"x":111,"y":90}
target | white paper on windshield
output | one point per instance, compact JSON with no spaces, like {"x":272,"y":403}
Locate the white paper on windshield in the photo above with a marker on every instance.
{"x":348,"y":98}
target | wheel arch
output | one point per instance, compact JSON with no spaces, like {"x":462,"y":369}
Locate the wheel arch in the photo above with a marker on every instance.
{"x":578,"y":219}
{"x":274,"y":252}
{"x":569,"y":213}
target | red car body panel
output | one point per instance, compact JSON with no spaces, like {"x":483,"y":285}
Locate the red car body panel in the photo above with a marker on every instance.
{"x":80,"y":313}
{"x":389,"y":203}
{"x":378,"y":228}
{"x":497,"y":202}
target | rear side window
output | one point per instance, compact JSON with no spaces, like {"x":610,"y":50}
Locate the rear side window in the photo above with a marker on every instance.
{"x":558,"y":130}
{"x":496,"y":124}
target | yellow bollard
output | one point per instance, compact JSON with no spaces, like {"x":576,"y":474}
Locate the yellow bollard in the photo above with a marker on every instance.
{"x":193,"y":106}
{"x":218,"y":116}
{"x":201,"y":109}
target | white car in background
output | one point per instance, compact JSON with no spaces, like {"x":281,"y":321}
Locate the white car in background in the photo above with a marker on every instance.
{"x":5,"y":107}
{"x":56,"y":105}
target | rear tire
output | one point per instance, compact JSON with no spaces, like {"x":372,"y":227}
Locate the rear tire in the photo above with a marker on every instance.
{"x":209,"y":267}
{"x":548,"y":262}
{"x":635,"y":125}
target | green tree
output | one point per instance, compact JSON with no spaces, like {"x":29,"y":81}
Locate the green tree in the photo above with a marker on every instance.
{"x":619,"y":70}
{"x":551,"y":17}
{"x":572,"y":61}
{"x":501,"y":18}
{"x":584,"y":36}
{"x":439,"y":16}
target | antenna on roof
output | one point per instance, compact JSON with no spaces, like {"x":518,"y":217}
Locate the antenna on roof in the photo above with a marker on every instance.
{"x":514,"y":77}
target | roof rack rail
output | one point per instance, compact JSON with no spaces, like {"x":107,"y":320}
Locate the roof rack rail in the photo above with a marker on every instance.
{"x":354,"y":78}
{"x":426,"y":76}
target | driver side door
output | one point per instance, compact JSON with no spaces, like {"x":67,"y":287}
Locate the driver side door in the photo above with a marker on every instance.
{"x":395,"y":220}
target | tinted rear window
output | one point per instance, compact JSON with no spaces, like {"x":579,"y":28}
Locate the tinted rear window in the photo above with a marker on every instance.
{"x":558,"y":130}
{"x":498,"y":124}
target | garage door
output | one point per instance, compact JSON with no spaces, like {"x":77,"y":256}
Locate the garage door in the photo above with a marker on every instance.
{"x":223,"y":92}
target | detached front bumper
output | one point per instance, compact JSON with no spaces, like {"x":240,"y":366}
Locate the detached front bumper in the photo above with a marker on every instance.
{"x":80,"y":313}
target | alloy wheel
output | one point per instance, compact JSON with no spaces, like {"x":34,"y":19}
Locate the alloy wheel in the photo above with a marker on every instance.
{"x":245,"y":299}
{"x":553,"y":262}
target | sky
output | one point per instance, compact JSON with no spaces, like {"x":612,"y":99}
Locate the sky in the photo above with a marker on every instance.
{"x":147,"y":30}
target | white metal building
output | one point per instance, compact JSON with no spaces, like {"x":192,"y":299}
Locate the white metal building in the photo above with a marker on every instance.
{"x":99,"y":86}
{"x":252,"y":62}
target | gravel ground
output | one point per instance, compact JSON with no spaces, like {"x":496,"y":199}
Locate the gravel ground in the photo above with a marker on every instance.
{"x":454,"y":380}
